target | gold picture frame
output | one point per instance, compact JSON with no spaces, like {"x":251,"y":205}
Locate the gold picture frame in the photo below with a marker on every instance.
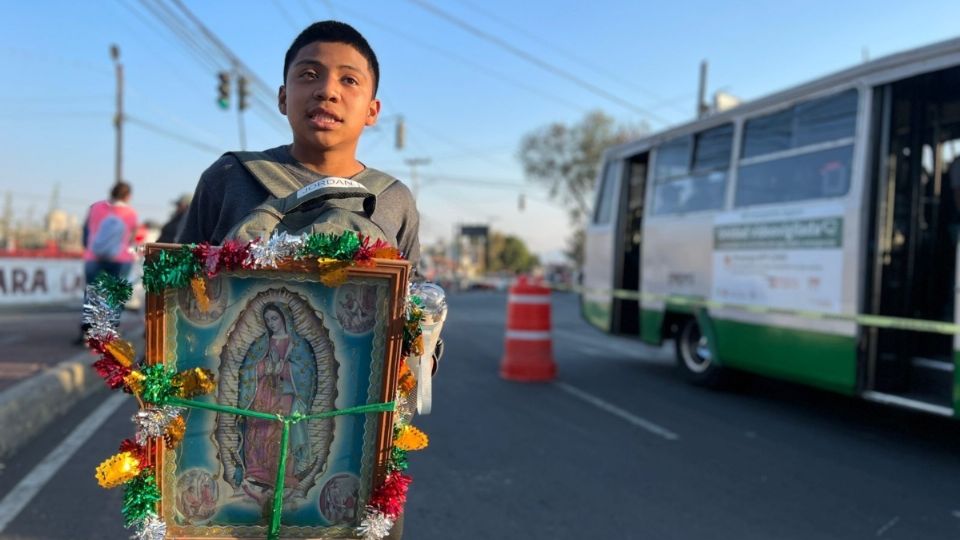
{"x":279,"y":341}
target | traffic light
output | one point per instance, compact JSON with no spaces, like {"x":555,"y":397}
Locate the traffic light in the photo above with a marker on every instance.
{"x":399,"y":139}
{"x":223,"y":97}
{"x":521,"y":203}
{"x":242,"y":93}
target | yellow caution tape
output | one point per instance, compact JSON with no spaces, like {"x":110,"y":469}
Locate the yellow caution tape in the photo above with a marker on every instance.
{"x":875,"y":321}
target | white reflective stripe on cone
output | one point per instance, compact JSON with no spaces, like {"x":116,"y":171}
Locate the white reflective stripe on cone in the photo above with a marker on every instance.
{"x":528,"y":335}
{"x":528,"y":298}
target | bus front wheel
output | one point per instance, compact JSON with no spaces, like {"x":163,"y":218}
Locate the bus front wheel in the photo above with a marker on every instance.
{"x":695,"y":356}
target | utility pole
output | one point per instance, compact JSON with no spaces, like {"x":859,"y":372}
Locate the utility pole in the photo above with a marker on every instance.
{"x":702,"y":107}
{"x":414,"y":163}
{"x":118,"y":118}
{"x":7,"y":222}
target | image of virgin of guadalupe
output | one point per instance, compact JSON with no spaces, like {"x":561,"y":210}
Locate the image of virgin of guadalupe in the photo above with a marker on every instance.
{"x":277,"y":357}
{"x":278,"y":375}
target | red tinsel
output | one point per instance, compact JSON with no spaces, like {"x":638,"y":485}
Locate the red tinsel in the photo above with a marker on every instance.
{"x":233,"y":255}
{"x":392,"y":495}
{"x":111,"y":371}
{"x":139,"y":452}
{"x":364,"y":252}
{"x":367,"y":251}
{"x":98,"y":345}
{"x":208,"y":257}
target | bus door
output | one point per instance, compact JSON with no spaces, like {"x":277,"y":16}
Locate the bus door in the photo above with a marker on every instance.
{"x":600,"y":247}
{"x":613,"y":246}
{"x":917,"y":217}
{"x":626,"y":311}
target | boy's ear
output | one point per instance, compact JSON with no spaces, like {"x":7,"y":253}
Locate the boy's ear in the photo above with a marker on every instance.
{"x":373,"y":112}
{"x":282,"y":100}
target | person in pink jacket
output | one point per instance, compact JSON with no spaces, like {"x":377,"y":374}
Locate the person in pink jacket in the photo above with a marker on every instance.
{"x":109,"y":235}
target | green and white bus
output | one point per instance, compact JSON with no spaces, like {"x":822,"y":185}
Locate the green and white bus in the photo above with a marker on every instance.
{"x":810,"y":235}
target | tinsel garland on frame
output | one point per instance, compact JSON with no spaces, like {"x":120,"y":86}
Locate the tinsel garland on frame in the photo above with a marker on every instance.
{"x":155,"y":387}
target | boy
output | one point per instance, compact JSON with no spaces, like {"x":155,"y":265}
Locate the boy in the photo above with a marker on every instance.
{"x":329,"y":93}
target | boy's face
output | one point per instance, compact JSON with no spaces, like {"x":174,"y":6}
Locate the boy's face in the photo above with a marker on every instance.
{"x":328,"y":97}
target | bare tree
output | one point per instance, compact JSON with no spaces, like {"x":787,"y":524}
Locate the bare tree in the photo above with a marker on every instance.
{"x":566,"y":159}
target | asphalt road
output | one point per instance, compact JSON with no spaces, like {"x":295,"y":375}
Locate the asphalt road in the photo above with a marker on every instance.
{"x":618,"y":447}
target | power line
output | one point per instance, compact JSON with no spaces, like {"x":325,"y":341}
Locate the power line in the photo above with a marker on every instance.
{"x":542,"y":64}
{"x":172,"y":135}
{"x":286,"y":14}
{"x":308,"y":10}
{"x":212,"y":53}
{"x":593,"y":66}
{"x":186,"y":41}
{"x":462,"y":60}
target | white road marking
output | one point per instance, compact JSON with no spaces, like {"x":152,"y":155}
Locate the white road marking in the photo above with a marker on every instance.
{"x":637,"y":351}
{"x":617,"y":411}
{"x":30,"y":485}
{"x":590,"y":351}
{"x":888,"y":526}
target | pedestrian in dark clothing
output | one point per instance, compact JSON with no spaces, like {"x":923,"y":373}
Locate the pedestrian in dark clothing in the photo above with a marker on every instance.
{"x":169,"y":231}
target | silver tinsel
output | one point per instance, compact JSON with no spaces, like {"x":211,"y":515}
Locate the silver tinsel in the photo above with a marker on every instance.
{"x":433,"y":301}
{"x":375,"y":525}
{"x":266,"y":254}
{"x":153,"y":422}
{"x":100,"y":318}
{"x":406,"y":407}
{"x":152,"y":528}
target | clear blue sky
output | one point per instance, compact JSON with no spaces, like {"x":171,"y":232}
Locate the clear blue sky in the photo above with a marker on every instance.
{"x":467,"y":102}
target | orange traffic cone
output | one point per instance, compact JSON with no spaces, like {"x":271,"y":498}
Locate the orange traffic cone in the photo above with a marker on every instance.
{"x":528,"y":355}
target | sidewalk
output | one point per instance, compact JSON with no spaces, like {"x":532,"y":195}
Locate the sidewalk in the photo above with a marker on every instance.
{"x":42,"y":373}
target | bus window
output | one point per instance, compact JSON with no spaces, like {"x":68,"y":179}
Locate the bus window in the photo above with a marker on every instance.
{"x":804,"y":152}
{"x":826,"y":119}
{"x":681,"y":188}
{"x":605,"y":198}
{"x":673,"y":159}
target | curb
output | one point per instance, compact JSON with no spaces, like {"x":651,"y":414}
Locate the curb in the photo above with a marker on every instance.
{"x":31,"y":405}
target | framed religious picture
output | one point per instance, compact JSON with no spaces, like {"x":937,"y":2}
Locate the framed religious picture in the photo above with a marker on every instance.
{"x":286,"y":445}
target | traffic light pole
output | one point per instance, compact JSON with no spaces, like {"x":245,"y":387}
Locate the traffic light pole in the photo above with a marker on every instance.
{"x":241,"y":106}
{"x":241,"y":126}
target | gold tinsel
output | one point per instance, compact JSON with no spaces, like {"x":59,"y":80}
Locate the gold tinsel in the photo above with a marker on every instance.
{"x":175,"y":431}
{"x":406,"y":382}
{"x":387,"y":252}
{"x":410,"y":438}
{"x":194,"y":382}
{"x":134,"y":381}
{"x":117,"y":470}
{"x":199,"y":286}
{"x":122,"y":351}
{"x":332,"y":272}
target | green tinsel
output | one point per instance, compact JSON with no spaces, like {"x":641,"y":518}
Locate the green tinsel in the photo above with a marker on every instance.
{"x":398,"y":460}
{"x":331,"y":246}
{"x":158,"y":385}
{"x":347,"y":246}
{"x":140,"y":497}
{"x":171,"y":270}
{"x":412,"y":329}
{"x":116,"y":291}
{"x":316,"y":245}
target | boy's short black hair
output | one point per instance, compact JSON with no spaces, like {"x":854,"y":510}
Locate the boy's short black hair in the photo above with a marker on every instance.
{"x":334,"y":32}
